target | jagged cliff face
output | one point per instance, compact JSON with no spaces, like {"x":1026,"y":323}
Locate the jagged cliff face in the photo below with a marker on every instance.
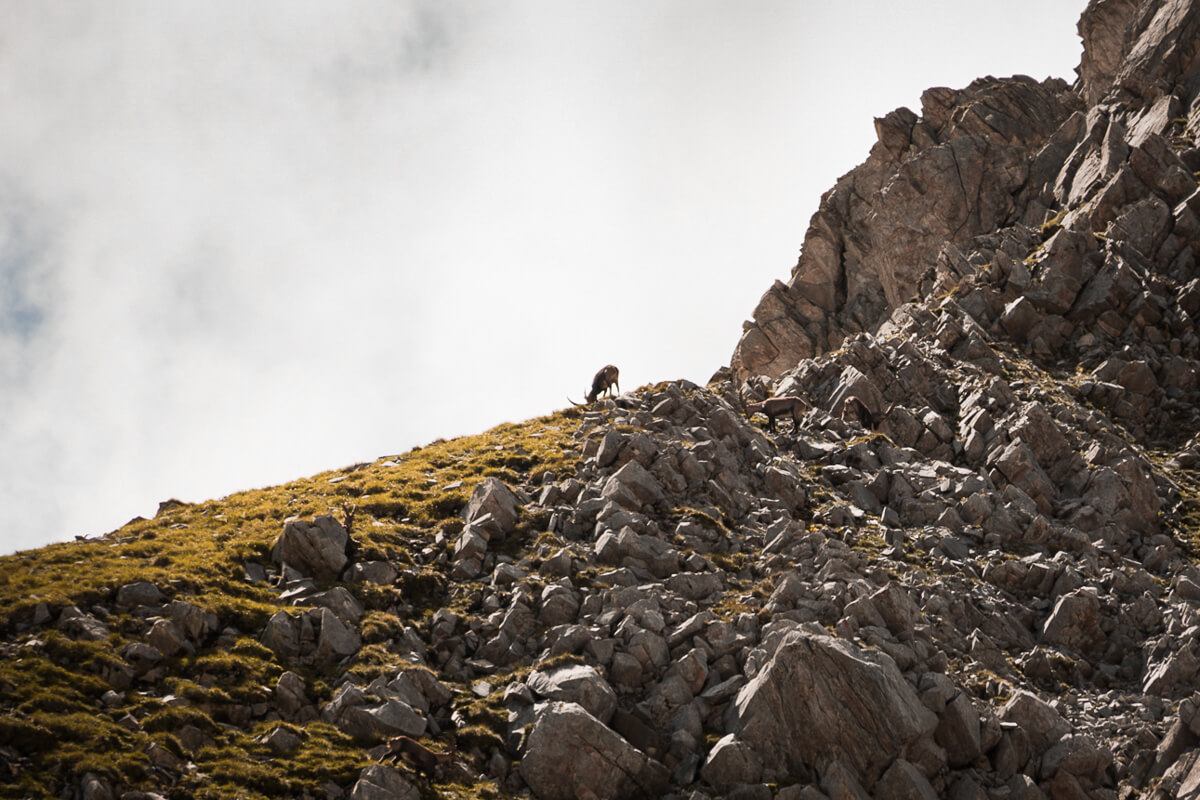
{"x":978,"y":582}
{"x":997,"y":155}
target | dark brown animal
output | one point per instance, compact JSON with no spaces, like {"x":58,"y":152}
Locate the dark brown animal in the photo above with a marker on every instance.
{"x":774,"y":407}
{"x":604,"y":382}
{"x":348,"y":509}
{"x":855,"y":410}
{"x":420,"y":756}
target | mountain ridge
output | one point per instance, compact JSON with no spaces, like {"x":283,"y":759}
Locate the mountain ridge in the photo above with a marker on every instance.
{"x":967,"y":570}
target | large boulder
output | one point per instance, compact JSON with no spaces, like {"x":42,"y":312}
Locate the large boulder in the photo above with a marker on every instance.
{"x":650,"y":552}
{"x":958,"y":731}
{"x":1037,"y":429}
{"x":820,"y":699}
{"x":378,"y":782}
{"x":1075,"y":622}
{"x":1038,"y":719}
{"x":1019,"y":465}
{"x":335,"y":639}
{"x":576,"y":683}
{"x":897,"y":609}
{"x":167,"y":637}
{"x":81,"y":625}
{"x":316,"y":549}
{"x":493,"y":497}
{"x":314,"y":636}
{"x":192,"y":621}
{"x":362,"y":717}
{"x":903,"y":781}
{"x":570,"y":754}
{"x":633,"y":487}
{"x":730,"y":763}
{"x":138,"y":593}
{"x":339,"y":600}
{"x":290,"y":695}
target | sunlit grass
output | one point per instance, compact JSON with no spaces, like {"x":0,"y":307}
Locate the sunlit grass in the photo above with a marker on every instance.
{"x":71,"y":706}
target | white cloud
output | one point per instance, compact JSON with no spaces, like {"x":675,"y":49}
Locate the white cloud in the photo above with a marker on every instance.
{"x":242,"y":243}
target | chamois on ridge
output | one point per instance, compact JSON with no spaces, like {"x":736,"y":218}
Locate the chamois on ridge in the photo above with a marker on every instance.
{"x":604,"y":382}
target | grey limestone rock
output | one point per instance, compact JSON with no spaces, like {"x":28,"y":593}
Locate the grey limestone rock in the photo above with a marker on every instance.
{"x":139,"y":593}
{"x":866,"y":252}
{"x":379,"y":782}
{"x":368,"y":718}
{"x":958,"y":731}
{"x":568,"y":752}
{"x":316,"y":549}
{"x":730,"y":763}
{"x":904,"y":781}
{"x":858,"y":709}
{"x":193,"y":622}
{"x":1075,"y":622}
{"x":380,"y":572}
{"x":1040,"y":722}
{"x":633,"y":487}
{"x":314,"y":636}
{"x":576,"y":683}
{"x":344,"y":605}
{"x":493,"y":497}
{"x":81,"y":625}
{"x":167,"y":637}
{"x":290,"y":695}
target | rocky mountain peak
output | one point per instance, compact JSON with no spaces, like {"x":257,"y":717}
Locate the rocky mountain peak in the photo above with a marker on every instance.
{"x":958,"y":557}
{"x":997,"y":155}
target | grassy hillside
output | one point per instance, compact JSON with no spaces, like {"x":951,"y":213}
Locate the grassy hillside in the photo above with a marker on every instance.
{"x":68,"y":704}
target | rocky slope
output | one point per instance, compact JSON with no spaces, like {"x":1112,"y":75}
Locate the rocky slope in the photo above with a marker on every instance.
{"x":985,"y":586}
{"x":999,"y":155}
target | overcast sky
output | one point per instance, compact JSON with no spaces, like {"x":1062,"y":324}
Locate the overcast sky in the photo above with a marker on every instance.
{"x":243,"y":243}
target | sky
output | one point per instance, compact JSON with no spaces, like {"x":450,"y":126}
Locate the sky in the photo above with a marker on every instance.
{"x":244,"y":243}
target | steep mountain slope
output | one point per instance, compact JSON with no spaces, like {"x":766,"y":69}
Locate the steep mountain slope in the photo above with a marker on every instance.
{"x":966,"y":568}
{"x":997,"y":155}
